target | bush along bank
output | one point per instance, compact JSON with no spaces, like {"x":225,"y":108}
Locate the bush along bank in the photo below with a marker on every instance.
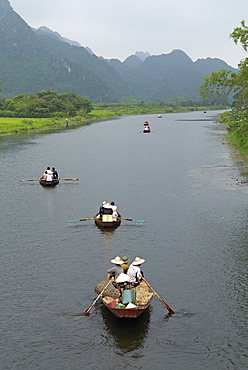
{"x":236,"y":123}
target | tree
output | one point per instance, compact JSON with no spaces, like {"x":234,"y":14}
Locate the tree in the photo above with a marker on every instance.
{"x":240,"y":34}
{"x":222,"y":83}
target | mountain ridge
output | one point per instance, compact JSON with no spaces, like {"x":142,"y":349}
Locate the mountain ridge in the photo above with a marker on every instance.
{"x":33,"y":60}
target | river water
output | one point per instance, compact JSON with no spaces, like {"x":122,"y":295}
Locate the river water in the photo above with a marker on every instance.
{"x":182,"y":180}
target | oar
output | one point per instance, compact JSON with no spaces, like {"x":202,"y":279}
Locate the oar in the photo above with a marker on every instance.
{"x":83,"y":219}
{"x":130,"y":219}
{"x":92,"y":304}
{"x":69,"y":179}
{"x":30,"y":180}
{"x":156,"y":294}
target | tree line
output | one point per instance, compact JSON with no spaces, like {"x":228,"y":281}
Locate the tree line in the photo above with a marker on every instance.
{"x":45,"y":104}
{"x":223,"y":83}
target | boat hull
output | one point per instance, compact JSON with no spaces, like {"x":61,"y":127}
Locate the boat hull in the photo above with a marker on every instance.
{"x":124,"y":313}
{"x":107,"y":225}
{"x":49,"y":184}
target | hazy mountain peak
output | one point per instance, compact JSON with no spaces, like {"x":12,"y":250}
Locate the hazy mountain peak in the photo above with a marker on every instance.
{"x":142,"y":55}
{"x":51,"y":33}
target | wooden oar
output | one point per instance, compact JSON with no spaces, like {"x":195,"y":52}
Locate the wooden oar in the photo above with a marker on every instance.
{"x":130,"y":219}
{"x":92,"y":304}
{"x":30,"y":180}
{"x":156,"y":294}
{"x":83,"y":219}
{"x":54,"y":179}
{"x":69,"y":179}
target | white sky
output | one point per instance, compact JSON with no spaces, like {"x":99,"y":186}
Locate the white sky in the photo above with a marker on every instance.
{"x":119,"y":28}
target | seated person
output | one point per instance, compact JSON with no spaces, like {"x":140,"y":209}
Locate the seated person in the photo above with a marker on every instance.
{"x":125,"y":266}
{"x":134,"y":270}
{"x":115,"y":271}
{"x":55,"y":174}
{"x":107,"y":213}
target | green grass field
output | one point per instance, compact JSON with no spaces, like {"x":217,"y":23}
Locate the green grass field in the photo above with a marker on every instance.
{"x":14,"y":125}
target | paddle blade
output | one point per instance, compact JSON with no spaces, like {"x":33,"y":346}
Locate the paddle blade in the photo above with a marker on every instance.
{"x":82,"y":219}
{"x":168,"y":307}
{"x":130,"y":219}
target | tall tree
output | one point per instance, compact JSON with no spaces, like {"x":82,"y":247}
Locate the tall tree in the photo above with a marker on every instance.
{"x":224,"y":82}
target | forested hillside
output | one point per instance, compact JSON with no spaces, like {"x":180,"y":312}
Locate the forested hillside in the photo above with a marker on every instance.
{"x":36,"y":60}
{"x":30,"y":61}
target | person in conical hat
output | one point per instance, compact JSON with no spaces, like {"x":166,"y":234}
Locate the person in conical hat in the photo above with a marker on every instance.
{"x":125,"y":266}
{"x":134,"y":270}
{"x":115,"y":271}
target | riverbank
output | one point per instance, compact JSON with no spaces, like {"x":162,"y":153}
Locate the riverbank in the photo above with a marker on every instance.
{"x":237,"y":127}
{"x":100,"y":112}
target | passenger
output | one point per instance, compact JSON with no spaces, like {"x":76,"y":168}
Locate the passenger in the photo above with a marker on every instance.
{"x":101,"y":208}
{"x":125,"y":266}
{"x":134,"y":270}
{"x":115,"y":213}
{"x":113,"y":206}
{"x":107,"y":213}
{"x":115,"y":271}
{"x":43,"y":177}
{"x":49,"y":171}
{"x":49,"y":177}
{"x":55,"y":174}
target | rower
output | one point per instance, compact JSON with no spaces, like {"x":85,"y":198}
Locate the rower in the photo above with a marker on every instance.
{"x":107,"y":213}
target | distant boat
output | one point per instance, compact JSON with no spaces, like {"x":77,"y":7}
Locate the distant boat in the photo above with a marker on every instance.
{"x":147,"y":129}
{"x":104,"y":225}
{"x":50,"y":184}
{"x":107,"y":225}
{"x":160,"y":116}
{"x":146,"y":123}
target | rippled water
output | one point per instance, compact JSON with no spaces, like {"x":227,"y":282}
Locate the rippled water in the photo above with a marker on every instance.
{"x":181,"y":179}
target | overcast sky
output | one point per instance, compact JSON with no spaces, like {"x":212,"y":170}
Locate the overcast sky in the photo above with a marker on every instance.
{"x":119,"y":28}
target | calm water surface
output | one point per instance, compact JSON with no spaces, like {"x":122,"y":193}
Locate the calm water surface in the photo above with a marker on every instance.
{"x":181,"y":179}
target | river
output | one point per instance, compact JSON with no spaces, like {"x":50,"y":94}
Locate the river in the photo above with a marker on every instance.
{"x":182,"y":180}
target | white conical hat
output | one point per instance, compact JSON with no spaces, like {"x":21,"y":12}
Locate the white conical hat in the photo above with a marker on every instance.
{"x":122,"y":278}
{"x":117,"y":260}
{"x":138,"y":261}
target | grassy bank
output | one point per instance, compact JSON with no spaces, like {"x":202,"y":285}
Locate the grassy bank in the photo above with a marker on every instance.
{"x":100,"y":112}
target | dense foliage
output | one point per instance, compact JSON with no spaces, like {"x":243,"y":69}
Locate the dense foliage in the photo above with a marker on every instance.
{"x":46,"y":103}
{"x":223,"y":83}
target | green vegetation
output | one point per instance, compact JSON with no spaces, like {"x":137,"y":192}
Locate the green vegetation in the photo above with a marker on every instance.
{"x":221,"y":84}
{"x":83,"y":116}
{"x":45,"y":104}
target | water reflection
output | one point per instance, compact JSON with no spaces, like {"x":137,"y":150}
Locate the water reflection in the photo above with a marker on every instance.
{"x":128,"y":334}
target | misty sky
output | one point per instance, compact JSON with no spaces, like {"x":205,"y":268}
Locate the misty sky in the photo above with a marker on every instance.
{"x":119,"y":28}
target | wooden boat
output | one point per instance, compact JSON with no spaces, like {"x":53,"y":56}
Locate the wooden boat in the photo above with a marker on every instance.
{"x":107,"y":225}
{"x":127,"y":313}
{"x":50,"y":184}
{"x":125,"y":303}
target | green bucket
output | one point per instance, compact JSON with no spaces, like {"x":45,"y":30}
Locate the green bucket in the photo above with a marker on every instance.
{"x":128,"y":295}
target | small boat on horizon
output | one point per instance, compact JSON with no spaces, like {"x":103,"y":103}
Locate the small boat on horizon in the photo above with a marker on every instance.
{"x":146,"y":129}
